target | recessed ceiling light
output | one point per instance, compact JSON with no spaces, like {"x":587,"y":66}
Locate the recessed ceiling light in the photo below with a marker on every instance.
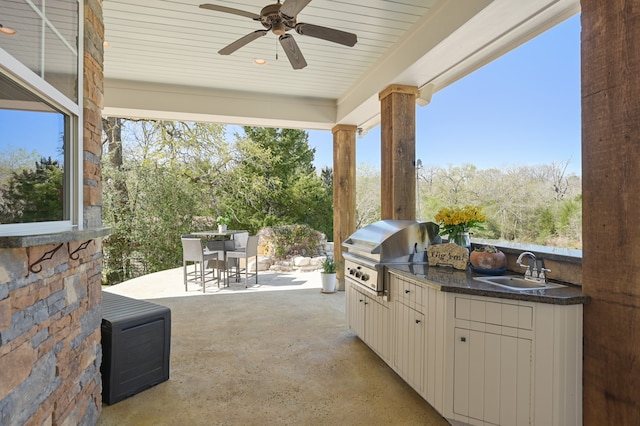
{"x":106,"y":45}
{"x":259,"y":61}
{"x":7,"y":30}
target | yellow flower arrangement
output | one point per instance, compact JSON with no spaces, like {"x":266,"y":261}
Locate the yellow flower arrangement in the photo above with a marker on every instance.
{"x":455,"y":220}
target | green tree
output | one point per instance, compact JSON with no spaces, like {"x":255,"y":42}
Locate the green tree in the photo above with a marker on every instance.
{"x":12,"y":160}
{"x":165,"y":179}
{"x":116,"y":210}
{"x":367,"y":195}
{"x":34,"y":194}
{"x":158,"y":177}
{"x":289,"y":146}
{"x":525,"y":204}
{"x":272,"y":181}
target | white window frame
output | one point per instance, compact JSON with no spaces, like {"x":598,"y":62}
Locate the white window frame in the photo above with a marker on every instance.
{"x":39,"y":86}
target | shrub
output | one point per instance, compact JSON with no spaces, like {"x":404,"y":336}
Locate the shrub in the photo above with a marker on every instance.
{"x":291,"y":240}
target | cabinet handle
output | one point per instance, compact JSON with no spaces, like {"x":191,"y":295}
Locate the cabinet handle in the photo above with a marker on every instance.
{"x":361,"y":300}
{"x":463,"y":339}
{"x":407,"y":291}
{"x":417,"y":321}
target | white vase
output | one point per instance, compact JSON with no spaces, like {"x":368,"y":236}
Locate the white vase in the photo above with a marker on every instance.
{"x":222,"y":228}
{"x":328,"y":282}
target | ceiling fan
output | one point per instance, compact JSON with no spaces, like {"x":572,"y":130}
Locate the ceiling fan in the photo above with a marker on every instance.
{"x":280,"y":18}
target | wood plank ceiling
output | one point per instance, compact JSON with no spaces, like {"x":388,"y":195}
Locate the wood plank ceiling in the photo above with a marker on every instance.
{"x":163,"y":62}
{"x":161,"y":41}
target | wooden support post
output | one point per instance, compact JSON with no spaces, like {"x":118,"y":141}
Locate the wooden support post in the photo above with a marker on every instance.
{"x":610,"y":226}
{"x":344,"y":191}
{"x":398,"y":142}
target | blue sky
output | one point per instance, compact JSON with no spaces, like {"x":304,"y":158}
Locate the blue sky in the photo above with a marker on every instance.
{"x":20,"y":131}
{"x":521,"y":109}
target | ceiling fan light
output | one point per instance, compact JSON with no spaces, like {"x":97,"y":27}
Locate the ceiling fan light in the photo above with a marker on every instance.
{"x":278,"y":28}
{"x":7,"y":30}
{"x":260,"y":61}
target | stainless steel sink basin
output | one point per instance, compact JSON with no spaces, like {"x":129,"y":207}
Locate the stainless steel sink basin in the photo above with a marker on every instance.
{"x":513,"y":282}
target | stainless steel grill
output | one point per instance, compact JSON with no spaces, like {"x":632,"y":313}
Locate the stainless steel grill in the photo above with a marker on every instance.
{"x":383,"y":243}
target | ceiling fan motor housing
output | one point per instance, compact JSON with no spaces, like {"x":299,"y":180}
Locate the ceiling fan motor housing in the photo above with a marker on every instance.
{"x":271,"y":19}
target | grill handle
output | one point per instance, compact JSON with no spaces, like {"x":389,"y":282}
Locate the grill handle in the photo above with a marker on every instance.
{"x":354,"y":247}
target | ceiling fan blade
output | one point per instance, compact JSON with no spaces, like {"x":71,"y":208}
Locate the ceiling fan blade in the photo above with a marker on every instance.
{"x":291,"y":8}
{"x":293,"y":52}
{"x":329,"y":34}
{"x":230,"y":10}
{"x":241,"y":42}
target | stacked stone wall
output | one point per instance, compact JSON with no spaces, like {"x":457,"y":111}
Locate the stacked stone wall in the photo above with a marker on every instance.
{"x":50,"y":349}
{"x":93,"y":103}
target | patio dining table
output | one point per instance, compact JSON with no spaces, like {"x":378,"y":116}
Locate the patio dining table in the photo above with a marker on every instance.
{"x":221,"y":242}
{"x":215,"y":233}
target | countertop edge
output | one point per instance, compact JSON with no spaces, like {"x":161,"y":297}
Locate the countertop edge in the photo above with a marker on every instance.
{"x":465,"y":284}
{"x":22,"y":241}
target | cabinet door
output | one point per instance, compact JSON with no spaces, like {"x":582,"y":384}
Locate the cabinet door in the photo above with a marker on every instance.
{"x":409,"y":359}
{"x":356,"y":303}
{"x":377,"y":333}
{"x":492,"y":377}
{"x":370,"y":320}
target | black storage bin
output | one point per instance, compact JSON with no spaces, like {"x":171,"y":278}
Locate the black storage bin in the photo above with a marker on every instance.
{"x":136,"y":340}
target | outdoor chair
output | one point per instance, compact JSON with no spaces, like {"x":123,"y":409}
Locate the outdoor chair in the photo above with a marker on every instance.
{"x":194,"y":253}
{"x":241,"y":258}
{"x":221,"y":248}
{"x":240,"y":240}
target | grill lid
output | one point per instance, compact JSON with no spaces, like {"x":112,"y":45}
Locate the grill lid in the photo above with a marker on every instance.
{"x":393,"y":240}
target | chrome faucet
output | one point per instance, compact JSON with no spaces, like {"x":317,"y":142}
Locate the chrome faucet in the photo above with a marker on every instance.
{"x":535,"y":267}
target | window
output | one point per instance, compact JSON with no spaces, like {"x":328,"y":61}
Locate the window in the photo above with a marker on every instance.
{"x":41,"y":117}
{"x":32,"y":157}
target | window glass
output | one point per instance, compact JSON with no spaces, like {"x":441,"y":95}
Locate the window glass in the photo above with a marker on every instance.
{"x":26,"y":45}
{"x":60,"y":65}
{"x":63,"y":15}
{"x":33,"y":162}
{"x":48,"y":46}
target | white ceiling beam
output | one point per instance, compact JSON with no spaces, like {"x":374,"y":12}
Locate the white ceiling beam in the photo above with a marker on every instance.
{"x":171,"y":102}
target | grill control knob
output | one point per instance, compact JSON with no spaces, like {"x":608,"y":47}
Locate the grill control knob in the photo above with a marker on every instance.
{"x":365,"y":277}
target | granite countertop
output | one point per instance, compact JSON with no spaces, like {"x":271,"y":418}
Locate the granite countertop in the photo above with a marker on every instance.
{"x":21,"y":241}
{"x":457,"y":281}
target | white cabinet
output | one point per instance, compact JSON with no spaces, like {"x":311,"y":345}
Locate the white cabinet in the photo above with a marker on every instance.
{"x":508,"y":368}
{"x":492,"y":371}
{"x":355,"y":309}
{"x":477,"y":360}
{"x":409,"y":333}
{"x":420,"y":330}
{"x":369,"y":317}
{"x":492,"y":378}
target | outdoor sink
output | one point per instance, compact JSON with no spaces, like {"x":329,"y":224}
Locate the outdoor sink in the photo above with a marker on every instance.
{"x":518,"y":283}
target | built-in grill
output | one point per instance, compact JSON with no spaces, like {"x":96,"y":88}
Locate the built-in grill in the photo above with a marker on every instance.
{"x":383,"y":243}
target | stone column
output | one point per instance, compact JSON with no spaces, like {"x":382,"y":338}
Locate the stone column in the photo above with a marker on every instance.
{"x":92,"y":109}
{"x":398,"y":141}
{"x":611,"y":202}
{"x":344,"y":191}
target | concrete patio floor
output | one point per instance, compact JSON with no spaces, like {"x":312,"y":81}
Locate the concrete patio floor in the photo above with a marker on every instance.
{"x":277,"y":353}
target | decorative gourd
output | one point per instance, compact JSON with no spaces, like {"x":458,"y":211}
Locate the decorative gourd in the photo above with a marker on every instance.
{"x":487,"y":258}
